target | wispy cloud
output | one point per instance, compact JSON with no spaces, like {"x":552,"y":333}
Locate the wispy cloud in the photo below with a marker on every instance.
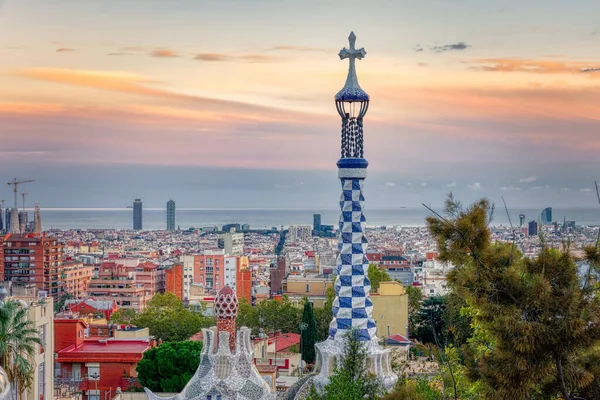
{"x":133,"y":48}
{"x":475,"y":186}
{"x":306,"y":49}
{"x":64,"y":50}
{"x":510,"y":188}
{"x":211,"y":57}
{"x":451,"y":184}
{"x":121,"y":82}
{"x":529,"y":179}
{"x":450,"y":47}
{"x":534,"y":66}
{"x":585,"y":190}
{"x":163,"y":53}
{"x":389,"y":184}
{"x":249,"y":58}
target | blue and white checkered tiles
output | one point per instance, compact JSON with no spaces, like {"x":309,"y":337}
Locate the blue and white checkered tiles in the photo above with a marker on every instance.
{"x":352,"y":307}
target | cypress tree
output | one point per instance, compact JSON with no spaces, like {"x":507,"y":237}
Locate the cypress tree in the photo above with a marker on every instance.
{"x":308,"y":334}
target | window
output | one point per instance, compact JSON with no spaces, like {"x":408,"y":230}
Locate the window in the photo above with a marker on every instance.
{"x":307,"y":288}
{"x":93,"y":371}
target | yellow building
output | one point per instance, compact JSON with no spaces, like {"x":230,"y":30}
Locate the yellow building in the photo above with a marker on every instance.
{"x":296,"y":287}
{"x":390,"y":309}
{"x":40,"y":311}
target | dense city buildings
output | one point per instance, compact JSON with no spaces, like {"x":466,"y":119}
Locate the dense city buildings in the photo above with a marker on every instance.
{"x":36,"y":260}
{"x":76,"y":277}
{"x":137,"y":215}
{"x":116,"y":282}
{"x":232,"y":243}
{"x":300,"y":233}
{"x":171,"y":215}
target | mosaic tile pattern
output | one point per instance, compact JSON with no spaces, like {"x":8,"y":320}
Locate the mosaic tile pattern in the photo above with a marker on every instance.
{"x":226,"y":361}
{"x":352,"y":307}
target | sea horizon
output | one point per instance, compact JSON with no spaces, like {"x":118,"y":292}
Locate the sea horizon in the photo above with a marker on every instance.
{"x":266,"y":218}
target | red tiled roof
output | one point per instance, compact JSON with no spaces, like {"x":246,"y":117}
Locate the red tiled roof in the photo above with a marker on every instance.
{"x":111,"y":351}
{"x":398,"y":338}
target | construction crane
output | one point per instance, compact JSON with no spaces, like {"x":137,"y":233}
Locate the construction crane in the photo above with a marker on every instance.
{"x":15,"y":183}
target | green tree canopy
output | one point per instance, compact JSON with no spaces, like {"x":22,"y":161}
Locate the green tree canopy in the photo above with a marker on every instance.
{"x":415,"y":298}
{"x":429,"y":321}
{"x":308,"y":334}
{"x":169,"y":320}
{"x":169,"y":367}
{"x":535,"y":325}
{"x":123,"y":316}
{"x":351,"y":380}
{"x":270,"y":315}
{"x":18,"y":343}
{"x":376,"y":276}
{"x":324,"y":315}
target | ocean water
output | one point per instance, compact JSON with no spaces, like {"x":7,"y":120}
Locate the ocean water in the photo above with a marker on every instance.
{"x":155,"y":219}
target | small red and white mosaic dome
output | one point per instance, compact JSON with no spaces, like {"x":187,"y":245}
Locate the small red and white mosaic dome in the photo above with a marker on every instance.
{"x":226,"y":303}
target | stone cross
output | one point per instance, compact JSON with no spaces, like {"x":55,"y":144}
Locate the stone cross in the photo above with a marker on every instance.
{"x":352,"y":53}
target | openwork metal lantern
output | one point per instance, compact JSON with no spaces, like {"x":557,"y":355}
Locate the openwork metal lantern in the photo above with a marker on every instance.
{"x":352,"y":103}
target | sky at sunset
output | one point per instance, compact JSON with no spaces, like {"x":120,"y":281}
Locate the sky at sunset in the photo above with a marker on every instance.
{"x":230,"y":103}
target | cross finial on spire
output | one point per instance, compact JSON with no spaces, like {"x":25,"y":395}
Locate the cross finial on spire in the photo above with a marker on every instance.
{"x":352,"y":90}
{"x":352,"y":52}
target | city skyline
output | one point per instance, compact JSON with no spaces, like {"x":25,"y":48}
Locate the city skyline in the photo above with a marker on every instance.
{"x":220,"y":110}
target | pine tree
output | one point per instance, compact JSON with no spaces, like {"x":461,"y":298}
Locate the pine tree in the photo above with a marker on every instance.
{"x":535,"y":324}
{"x":308,"y":334}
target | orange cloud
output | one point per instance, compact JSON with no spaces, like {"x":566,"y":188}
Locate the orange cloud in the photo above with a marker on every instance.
{"x":535,"y":66}
{"x":250,"y":58}
{"x":139,"y":85}
{"x":163,"y":53}
{"x":64,"y":50}
{"x":211,"y":57}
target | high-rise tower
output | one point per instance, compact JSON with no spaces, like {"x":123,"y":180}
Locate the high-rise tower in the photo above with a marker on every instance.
{"x":137,"y":215}
{"x":170,"y":215}
{"x":352,"y":306}
{"x":14,"y":221}
{"x":37,"y":219}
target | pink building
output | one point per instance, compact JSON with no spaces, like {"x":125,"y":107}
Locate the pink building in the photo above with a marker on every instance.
{"x":116,"y":283}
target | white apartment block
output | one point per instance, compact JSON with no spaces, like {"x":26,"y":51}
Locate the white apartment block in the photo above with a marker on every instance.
{"x":300,"y":233}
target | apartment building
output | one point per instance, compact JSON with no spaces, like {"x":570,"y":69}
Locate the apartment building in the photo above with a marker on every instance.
{"x":32,"y":259}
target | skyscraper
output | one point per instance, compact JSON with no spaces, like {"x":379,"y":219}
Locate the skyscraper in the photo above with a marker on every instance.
{"x":317,"y":222}
{"x":137,"y":215}
{"x":37,"y":219}
{"x":7,"y":214}
{"x":547,"y":216}
{"x":170,"y":215}
{"x":532,"y":228}
{"x":2,"y":227}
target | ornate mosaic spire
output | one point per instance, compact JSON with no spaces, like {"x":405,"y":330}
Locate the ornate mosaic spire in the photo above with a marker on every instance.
{"x":226,"y":309}
{"x":352,"y":307}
